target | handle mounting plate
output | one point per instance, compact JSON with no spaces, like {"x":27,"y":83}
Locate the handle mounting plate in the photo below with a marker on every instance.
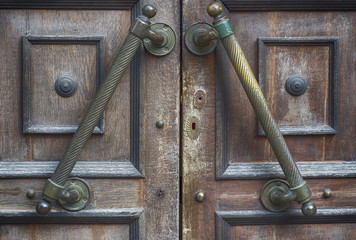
{"x":194,"y":29}
{"x":83,"y":188}
{"x":271,"y":187}
{"x":169,"y":40}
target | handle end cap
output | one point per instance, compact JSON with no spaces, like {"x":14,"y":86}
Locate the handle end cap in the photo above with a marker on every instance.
{"x":309,"y":209}
{"x":149,"y":11}
{"x":214,"y":9}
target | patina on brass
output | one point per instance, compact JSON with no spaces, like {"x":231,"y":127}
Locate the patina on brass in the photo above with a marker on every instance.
{"x":76,"y":196}
{"x":160,"y":39}
{"x":201,"y":38}
{"x":298,"y":189}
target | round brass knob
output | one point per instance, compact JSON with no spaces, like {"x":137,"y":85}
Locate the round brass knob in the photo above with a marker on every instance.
{"x":200,"y":196}
{"x":149,"y":11}
{"x":309,"y":209}
{"x":214,"y":9}
{"x":43,"y":207}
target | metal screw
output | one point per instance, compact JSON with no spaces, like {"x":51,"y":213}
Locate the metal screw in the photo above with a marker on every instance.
{"x":200,"y":196}
{"x":327,"y":193}
{"x":30,"y":193}
{"x":160,"y":124}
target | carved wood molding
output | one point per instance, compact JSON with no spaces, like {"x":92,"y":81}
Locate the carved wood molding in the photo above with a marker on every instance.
{"x":68,"y":4}
{"x":224,"y":220}
{"x":289,"y":5}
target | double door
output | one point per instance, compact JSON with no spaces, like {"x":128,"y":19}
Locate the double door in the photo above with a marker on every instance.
{"x":179,"y":151}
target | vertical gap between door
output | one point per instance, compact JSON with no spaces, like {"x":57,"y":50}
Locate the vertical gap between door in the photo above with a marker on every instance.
{"x":181,"y":122}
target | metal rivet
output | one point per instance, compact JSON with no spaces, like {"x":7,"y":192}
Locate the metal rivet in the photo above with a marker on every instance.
{"x":160,"y":124}
{"x":327,"y":193}
{"x":66,"y":86}
{"x":296,"y":85}
{"x":30,"y":193}
{"x":200,"y":196}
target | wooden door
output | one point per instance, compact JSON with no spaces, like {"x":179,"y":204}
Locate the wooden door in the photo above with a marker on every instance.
{"x":212,"y":140}
{"x":225,"y":154}
{"x":130,"y":164}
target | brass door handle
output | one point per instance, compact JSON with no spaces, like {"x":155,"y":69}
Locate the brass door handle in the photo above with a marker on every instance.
{"x":74,"y":194}
{"x":276,"y":194}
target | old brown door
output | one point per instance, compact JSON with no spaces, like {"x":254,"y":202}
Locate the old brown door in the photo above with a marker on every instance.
{"x":225,"y":154}
{"x":130,"y":164}
{"x":145,"y":177}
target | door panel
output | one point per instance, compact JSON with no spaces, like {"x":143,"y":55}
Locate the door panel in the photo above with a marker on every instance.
{"x":215,"y":146}
{"x":124,"y":161}
{"x":231,"y":158}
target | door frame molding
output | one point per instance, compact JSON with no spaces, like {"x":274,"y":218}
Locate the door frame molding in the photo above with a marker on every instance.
{"x":289,"y":5}
{"x":74,"y":4}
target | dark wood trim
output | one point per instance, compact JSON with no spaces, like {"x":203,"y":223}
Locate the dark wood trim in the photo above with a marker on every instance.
{"x":27,"y":42}
{"x":264,"y":217}
{"x":273,"y":170}
{"x":68,"y":4}
{"x":290,"y":5}
{"x":84,"y":169}
{"x":118,"y":216}
{"x":224,"y":220}
{"x":135,"y":99}
{"x":333,"y":44}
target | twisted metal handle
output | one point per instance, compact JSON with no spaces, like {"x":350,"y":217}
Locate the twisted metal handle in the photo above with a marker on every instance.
{"x":298,"y":187}
{"x":141,"y":28}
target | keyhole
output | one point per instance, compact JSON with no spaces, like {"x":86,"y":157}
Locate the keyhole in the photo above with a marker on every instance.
{"x":193,"y":126}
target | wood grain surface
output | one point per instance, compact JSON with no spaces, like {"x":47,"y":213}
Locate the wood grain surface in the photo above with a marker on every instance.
{"x":229,"y":128}
{"x":154,"y":198}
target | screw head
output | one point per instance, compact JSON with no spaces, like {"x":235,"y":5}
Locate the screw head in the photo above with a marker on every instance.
{"x":200,"y":196}
{"x":309,"y":209}
{"x":327,"y":193}
{"x":30,"y":193}
{"x":214,"y":9}
{"x":149,"y":11}
{"x":160,"y":124}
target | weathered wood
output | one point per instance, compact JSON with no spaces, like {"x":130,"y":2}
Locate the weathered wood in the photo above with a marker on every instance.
{"x":198,"y":154}
{"x":105,"y":193}
{"x":243,"y":160}
{"x":273,"y":170}
{"x":84,"y":169}
{"x":295,"y":232}
{"x":131,"y":147}
{"x":75,"y":4}
{"x":243,"y":144}
{"x":66,"y":231}
{"x":289,"y":5}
